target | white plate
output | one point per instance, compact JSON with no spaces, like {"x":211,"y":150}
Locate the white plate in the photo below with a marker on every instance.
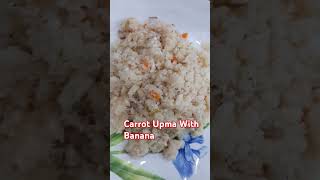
{"x":192,"y":16}
{"x":155,"y":164}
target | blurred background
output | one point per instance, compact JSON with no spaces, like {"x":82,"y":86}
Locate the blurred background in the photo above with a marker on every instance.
{"x":53,"y":89}
{"x":266,"y":80}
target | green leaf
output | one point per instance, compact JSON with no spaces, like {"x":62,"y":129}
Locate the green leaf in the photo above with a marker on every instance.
{"x":125,"y":175}
{"x":117,"y":152}
{"x":115,"y":139}
{"x":128,"y":172}
{"x":207,"y":125}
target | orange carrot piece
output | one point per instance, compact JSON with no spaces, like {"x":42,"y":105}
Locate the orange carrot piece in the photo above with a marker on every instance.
{"x":174,"y":59}
{"x":155,"y":95}
{"x":184,"y":35}
{"x":145,"y":64}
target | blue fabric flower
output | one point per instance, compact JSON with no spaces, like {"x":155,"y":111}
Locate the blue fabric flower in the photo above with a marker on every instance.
{"x":187,"y":157}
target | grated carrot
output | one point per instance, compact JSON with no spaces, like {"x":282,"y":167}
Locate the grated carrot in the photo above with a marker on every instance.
{"x":145,"y":64}
{"x":155,"y":95}
{"x":174,"y":59}
{"x":184,"y":35}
